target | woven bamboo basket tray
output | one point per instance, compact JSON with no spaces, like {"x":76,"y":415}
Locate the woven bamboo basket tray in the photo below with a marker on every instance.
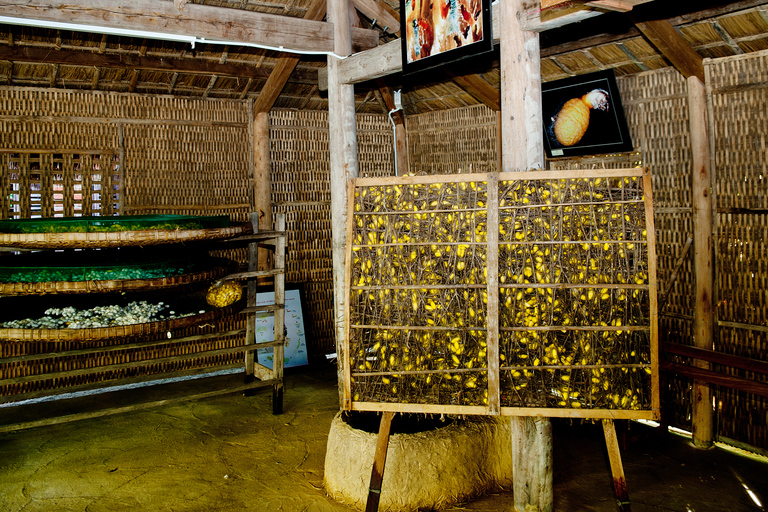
{"x":117,"y":332}
{"x":118,"y":238}
{"x":117,"y":285}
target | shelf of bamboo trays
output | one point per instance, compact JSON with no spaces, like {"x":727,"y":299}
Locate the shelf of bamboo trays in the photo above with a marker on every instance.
{"x":181,"y":282}
{"x":529,"y":293}
{"x":82,"y":240}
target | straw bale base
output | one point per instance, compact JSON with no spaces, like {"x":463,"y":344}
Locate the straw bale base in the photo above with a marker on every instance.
{"x":424,"y":470}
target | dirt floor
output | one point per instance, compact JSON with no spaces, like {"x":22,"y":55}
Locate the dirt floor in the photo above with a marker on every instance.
{"x":231,"y":453}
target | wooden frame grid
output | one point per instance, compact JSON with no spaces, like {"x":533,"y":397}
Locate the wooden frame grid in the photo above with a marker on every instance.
{"x":454,"y":356}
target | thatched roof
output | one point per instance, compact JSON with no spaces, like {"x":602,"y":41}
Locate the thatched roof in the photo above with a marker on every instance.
{"x":45,"y":57}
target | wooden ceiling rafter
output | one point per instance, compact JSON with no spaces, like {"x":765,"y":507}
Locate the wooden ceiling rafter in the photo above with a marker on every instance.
{"x":285,"y":67}
{"x":675,"y":48}
{"x":191,"y":66}
{"x":174,"y":79}
{"x":477,"y":87}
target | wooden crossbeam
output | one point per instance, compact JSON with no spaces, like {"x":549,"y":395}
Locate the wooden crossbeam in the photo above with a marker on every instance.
{"x":202,"y":21}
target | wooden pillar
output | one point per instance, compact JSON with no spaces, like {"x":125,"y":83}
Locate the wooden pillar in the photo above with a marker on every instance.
{"x":522,"y":148}
{"x":401,"y":145}
{"x":262,"y":182}
{"x":343,"y":156}
{"x":703,"y":269}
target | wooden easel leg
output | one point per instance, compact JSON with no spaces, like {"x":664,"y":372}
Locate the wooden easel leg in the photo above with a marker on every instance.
{"x":617,"y":468}
{"x":379,"y":459}
{"x":277,"y":398}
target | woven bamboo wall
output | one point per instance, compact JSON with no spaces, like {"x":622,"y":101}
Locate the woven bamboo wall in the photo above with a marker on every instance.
{"x":452,"y":141}
{"x":301,"y":189}
{"x":182,"y":156}
{"x":739,"y":99}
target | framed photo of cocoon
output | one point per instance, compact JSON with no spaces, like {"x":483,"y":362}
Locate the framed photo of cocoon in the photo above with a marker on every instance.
{"x":439,"y":32}
{"x":583,"y":115}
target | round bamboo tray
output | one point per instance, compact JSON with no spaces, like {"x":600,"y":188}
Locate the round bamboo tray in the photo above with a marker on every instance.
{"x":117,"y":332}
{"x":82,"y":240}
{"x":116,"y":285}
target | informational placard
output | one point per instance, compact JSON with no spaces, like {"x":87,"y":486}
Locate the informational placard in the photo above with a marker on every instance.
{"x":295,"y":353}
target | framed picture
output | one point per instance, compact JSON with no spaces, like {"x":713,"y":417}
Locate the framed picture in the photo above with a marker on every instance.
{"x":295,"y":351}
{"x":583,"y":116}
{"x":436,"y":32}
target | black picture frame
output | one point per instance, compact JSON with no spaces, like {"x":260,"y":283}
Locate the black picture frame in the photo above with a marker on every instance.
{"x":459,"y":29}
{"x":606,"y":131}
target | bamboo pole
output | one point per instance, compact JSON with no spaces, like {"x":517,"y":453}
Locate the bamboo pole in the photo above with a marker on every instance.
{"x":704,"y":313}
{"x":262,"y":185}
{"x":522,"y":148}
{"x":343,"y":160}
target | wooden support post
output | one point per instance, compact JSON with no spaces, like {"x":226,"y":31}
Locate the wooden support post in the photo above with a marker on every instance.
{"x":262,"y":182}
{"x":522,"y":148}
{"x":278,"y":351}
{"x":617,"y":468}
{"x":343,"y":156}
{"x":379,"y":461}
{"x":703,"y":269}
{"x":250,"y":327}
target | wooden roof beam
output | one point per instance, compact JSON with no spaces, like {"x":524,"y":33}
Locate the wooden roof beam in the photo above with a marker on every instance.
{"x":202,"y":21}
{"x":284,"y":67}
{"x":677,"y":50}
{"x":93,"y":59}
{"x":477,"y":87}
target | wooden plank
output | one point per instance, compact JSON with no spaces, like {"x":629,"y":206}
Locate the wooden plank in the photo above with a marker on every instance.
{"x":117,"y":382}
{"x":703,"y":265}
{"x":130,"y":408}
{"x":198,"y":20}
{"x":379,"y":461}
{"x":492,"y":279}
{"x":617,"y":468}
{"x":743,"y":363}
{"x":719,"y":379}
{"x":674,"y":47}
{"x":481,"y":90}
{"x":33,"y":54}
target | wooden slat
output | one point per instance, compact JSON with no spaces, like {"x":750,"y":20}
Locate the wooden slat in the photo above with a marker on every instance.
{"x":202,"y":21}
{"x":730,"y":381}
{"x":379,"y":462}
{"x":743,"y":363}
{"x":130,"y":408}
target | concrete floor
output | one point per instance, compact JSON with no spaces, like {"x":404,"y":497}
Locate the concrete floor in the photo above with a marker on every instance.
{"x":230,"y":453}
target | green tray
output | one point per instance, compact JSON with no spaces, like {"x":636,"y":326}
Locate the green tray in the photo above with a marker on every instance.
{"x":114,"y":224}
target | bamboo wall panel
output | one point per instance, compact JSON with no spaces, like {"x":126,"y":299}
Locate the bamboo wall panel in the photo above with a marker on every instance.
{"x":300,"y":175}
{"x":453,"y":141}
{"x":739,"y":99}
{"x":60,"y":152}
